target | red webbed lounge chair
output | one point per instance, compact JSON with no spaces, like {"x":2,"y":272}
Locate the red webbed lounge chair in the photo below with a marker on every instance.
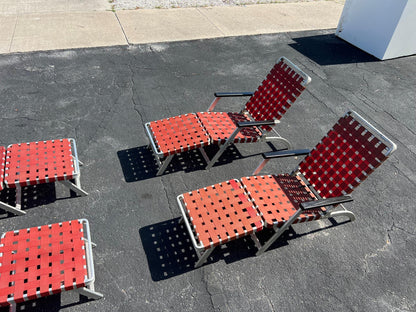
{"x":45,"y":260}
{"x":265,"y":107}
{"x":39,"y":162}
{"x":344,"y":158}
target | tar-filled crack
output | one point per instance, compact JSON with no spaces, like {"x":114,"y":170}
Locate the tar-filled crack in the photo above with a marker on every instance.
{"x":172,"y":212}
{"x":394,"y":227}
{"x":320,"y":101}
{"x":366,"y":82}
{"x":205,"y":283}
{"x":133,"y":99}
{"x":403,"y":125}
{"x":367,"y":101}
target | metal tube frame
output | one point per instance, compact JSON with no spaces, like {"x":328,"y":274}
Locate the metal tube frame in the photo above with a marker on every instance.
{"x":262,"y":138}
{"x":200,"y":250}
{"x":88,"y":290}
{"x":329,"y":213}
{"x":306,"y":78}
{"x":389,"y":143}
{"x":159,"y":155}
{"x":210,"y":162}
{"x":76,"y":186}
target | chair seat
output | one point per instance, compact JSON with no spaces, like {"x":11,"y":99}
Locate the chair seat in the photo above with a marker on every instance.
{"x":221,"y":213}
{"x":40,"y":261}
{"x":178,"y":134}
{"x":221,"y":125}
{"x":228,"y":210}
{"x":278,"y":197}
{"x":39,"y":162}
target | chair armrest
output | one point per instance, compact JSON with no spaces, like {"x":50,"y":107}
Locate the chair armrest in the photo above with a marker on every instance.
{"x":289,"y":153}
{"x":219,"y":95}
{"x":231,"y":94}
{"x":325,"y":202}
{"x":242,"y":124}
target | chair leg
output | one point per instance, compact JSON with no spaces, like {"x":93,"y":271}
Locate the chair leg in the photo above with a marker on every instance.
{"x":223,"y":147}
{"x":12,"y":307}
{"x":271,"y":240}
{"x":204,"y":154}
{"x":89,"y":292}
{"x":18,"y":209}
{"x":255,"y":240}
{"x":203,"y":256}
{"x":261,"y":166}
{"x":279,"y":232}
{"x":15,"y":210}
{"x":18,"y":197}
{"x":164,"y":165}
{"x":216,"y":156}
{"x":75,"y":187}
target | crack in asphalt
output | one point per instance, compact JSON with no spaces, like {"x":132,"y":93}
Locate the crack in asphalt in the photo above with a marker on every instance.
{"x":405,"y":175}
{"x":394,"y":226}
{"x":133,"y":100}
{"x":402,"y":124}
{"x":266,"y":296}
{"x":204,"y":280}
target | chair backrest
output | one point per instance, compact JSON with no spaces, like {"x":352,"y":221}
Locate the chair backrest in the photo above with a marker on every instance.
{"x":278,"y":91}
{"x":2,"y":164}
{"x":346,"y":156}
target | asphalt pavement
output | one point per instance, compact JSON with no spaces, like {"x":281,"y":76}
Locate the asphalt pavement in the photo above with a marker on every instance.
{"x":144,"y":259}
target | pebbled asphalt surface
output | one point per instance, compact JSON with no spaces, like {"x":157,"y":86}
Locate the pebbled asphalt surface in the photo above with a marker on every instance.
{"x":143,"y":259}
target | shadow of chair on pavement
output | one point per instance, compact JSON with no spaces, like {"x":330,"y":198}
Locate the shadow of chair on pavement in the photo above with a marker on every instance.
{"x":139,"y":163}
{"x":32,"y":196}
{"x":170,"y":253}
{"x":52,"y":303}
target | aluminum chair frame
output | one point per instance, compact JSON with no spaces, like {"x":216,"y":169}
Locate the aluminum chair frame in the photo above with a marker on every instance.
{"x":334,"y":203}
{"x":163,"y":160}
{"x":88,"y":290}
{"x":338,"y":208}
{"x":74,"y":186}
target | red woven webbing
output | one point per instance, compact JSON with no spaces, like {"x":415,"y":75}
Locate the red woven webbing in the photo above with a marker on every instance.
{"x":40,"y":261}
{"x":179,"y":134}
{"x":278,"y":197}
{"x":2,"y":160}
{"x":274,"y":96}
{"x":343,"y":159}
{"x":220,"y":126}
{"x":221,"y":212}
{"x":38,"y":162}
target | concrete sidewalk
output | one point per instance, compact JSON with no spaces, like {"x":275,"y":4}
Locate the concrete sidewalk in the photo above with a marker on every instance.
{"x":35,"y":25}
